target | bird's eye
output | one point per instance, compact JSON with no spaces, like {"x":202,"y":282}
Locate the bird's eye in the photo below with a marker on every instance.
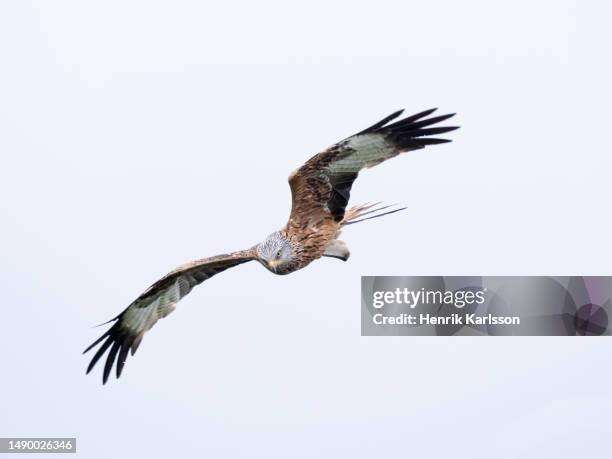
{"x":278,"y":254}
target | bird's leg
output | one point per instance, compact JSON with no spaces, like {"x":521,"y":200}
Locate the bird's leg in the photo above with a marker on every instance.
{"x":337,"y":249}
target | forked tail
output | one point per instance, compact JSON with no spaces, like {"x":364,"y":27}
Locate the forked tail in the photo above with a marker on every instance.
{"x":358,"y":214}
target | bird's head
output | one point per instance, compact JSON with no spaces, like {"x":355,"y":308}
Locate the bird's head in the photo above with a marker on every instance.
{"x":276,"y":253}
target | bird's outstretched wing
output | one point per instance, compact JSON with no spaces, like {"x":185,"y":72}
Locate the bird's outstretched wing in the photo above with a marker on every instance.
{"x":321,"y":187}
{"x":155,"y":303}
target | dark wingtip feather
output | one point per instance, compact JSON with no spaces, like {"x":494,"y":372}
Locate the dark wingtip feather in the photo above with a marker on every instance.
{"x":432,"y":141}
{"x":99,"y":354}
{"x":125,"y":347}
{"x":433,"y":131}
{"x":411,"y":125}
{"x":121,"y":343}
{"x":92,"y":345}
{"x":110,"y":360}
{"x":416,"y":116}
{"x":411,"y":132}
{"x":382,"y":122}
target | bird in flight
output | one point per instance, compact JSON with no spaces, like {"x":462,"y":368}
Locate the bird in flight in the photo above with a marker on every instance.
{"x":320,"y":192}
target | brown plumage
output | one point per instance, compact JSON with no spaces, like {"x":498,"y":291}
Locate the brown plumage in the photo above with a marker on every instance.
{"x":321,"y":187}
{"x":320,"y":194}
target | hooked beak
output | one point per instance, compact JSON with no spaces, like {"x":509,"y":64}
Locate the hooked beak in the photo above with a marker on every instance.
{"x":272,"y":263}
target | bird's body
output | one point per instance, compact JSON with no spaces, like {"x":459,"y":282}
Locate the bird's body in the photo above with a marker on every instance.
{"x":320,"y":194}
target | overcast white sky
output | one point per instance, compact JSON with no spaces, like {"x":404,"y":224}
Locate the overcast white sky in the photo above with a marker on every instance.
{"x":136,"y":136}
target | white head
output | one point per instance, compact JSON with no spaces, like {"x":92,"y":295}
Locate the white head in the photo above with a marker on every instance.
{"x":276,"y":254}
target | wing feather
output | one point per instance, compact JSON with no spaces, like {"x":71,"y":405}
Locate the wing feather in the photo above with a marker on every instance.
{"x":155,"y":303}
{"x":321,"y":187}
